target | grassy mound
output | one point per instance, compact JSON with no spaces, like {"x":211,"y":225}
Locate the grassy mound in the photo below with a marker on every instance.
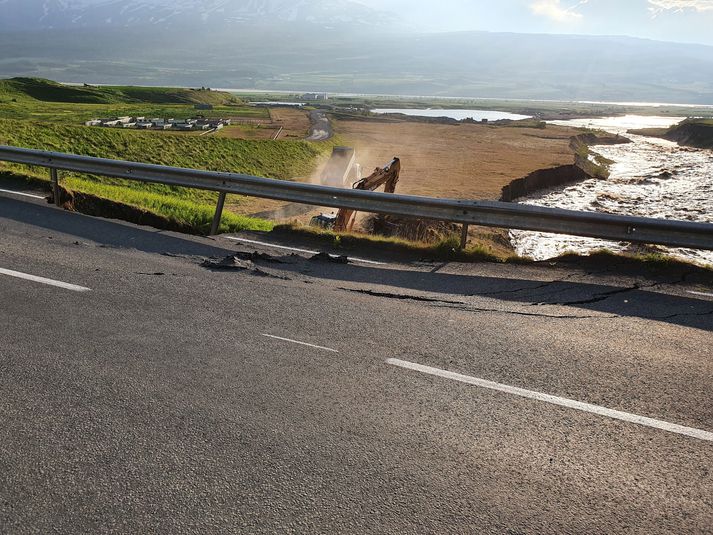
{"x":49,"y":91}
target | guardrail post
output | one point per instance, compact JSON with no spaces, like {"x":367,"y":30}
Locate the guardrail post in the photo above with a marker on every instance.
{"x":54,"y":175}
{"x":218,"y":214}
{"x":464,"y":237}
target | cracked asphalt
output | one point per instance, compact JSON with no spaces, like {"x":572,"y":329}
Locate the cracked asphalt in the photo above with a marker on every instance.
{"x":202,"y":386}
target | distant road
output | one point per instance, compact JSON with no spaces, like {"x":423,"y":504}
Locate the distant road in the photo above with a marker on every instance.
{"x":321,"y":129}
{"x":141,"y":392}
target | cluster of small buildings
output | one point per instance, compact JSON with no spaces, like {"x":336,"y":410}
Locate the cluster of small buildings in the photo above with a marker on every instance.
{"x":143,"y":123}
{"x":315,"y":96}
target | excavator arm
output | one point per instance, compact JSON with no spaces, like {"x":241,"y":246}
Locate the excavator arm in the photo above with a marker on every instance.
{"x":382,"y":176}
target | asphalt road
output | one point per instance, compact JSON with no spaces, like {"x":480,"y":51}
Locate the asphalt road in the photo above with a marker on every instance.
{"x":160,"y":394}
{"x":321,"y":128}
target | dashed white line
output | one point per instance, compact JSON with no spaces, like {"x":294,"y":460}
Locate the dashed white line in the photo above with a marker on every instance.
{"x":43,"y":280}
{"x":554,"y":400}
{"x":22,"y":194}
{"x":306,"y":251}
{"x":300,"y":343}
{"x":702,"y":294}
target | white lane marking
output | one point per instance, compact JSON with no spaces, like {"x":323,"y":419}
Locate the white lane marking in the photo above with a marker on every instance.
{"x":22,"y":194}
{"x":562,"y":402}
{"x":43,"y":280}
{"x":253,"y":242}
{"x":703,"y":294}
{"x":300,"y":343}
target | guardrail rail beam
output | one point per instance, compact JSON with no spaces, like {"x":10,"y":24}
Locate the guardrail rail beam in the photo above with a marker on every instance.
{"x":483,"y":213}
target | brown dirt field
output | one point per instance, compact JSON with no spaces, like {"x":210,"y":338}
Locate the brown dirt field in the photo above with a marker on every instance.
{"x":248,"y":131}
{"x":295,"y":122}
{"x":469,"y":161}
{"x":250,"y":206}
{"x":466,"y":161}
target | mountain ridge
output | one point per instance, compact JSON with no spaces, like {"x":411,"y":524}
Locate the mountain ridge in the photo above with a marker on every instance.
{"x":22,"y":15}
{"x":308,"y":50}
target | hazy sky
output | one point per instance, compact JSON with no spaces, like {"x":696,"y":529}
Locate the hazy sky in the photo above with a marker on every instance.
{"x":670,"y":20}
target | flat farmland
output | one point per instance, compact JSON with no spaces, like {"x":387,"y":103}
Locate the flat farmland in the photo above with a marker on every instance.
{"x":282,"y":124}
{"x":467,"y":161}
{"x":251,"y":131}
{"x":295,"y":123}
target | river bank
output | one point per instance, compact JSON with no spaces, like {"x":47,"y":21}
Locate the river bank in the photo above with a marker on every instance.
{"x":651,"y":177}
{"x":549,"y":110}
{"x":587,"y":165}
{"x":697,"y":133}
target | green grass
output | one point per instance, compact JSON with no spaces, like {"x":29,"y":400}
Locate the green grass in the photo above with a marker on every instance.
{"x":38,"y":99}
{"x":190,"y":216}
{"x":195,"y":217}
{"x":42,"y":114}
{"x":445,"y":249}
{"x":190,"y":207}
{"x":707,"y":122}
{"x":282,"y":160}
{"x":49,"y":91}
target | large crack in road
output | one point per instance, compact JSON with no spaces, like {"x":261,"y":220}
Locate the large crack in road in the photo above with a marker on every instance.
{"x":461,"y":305}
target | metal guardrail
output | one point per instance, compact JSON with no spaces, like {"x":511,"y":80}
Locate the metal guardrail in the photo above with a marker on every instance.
{"x":482,"y":213}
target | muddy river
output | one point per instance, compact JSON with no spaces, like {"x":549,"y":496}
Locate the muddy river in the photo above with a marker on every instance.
{"x":649,"y":177}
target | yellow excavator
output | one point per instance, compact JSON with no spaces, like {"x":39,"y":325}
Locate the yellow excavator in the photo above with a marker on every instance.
{"x":386,"y":176}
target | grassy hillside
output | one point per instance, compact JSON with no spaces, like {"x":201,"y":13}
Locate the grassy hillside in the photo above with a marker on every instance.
{"x":283,"y":160}
{"x":37,"y":99}
{"x":44,"y":90}
{"x":49,"y":91}
{"x":275,"y":159}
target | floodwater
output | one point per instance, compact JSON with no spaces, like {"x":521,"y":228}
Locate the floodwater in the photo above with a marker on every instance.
{"x":650,"y":177}
{"x":476,"y":115}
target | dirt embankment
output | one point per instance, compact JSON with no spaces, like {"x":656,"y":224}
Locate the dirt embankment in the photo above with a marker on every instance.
{"x":584,"y":167}
{"x":689,"y":133}
{"x":692,"y":134}
{"x":590,"y":139}
{"x":543,"y":179}
{"x":86,"y":203}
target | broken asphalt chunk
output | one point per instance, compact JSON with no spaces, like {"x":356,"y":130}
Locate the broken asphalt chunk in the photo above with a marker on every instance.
{"x":228,"y":263}
{"x":333,"y":259}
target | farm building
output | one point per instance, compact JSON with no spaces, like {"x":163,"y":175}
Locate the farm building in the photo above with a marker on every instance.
{"x":157,"y":123}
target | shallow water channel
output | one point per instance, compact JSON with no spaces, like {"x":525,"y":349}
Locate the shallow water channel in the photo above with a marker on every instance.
{"x":459,"y":115}
{"x":650,"y":177}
